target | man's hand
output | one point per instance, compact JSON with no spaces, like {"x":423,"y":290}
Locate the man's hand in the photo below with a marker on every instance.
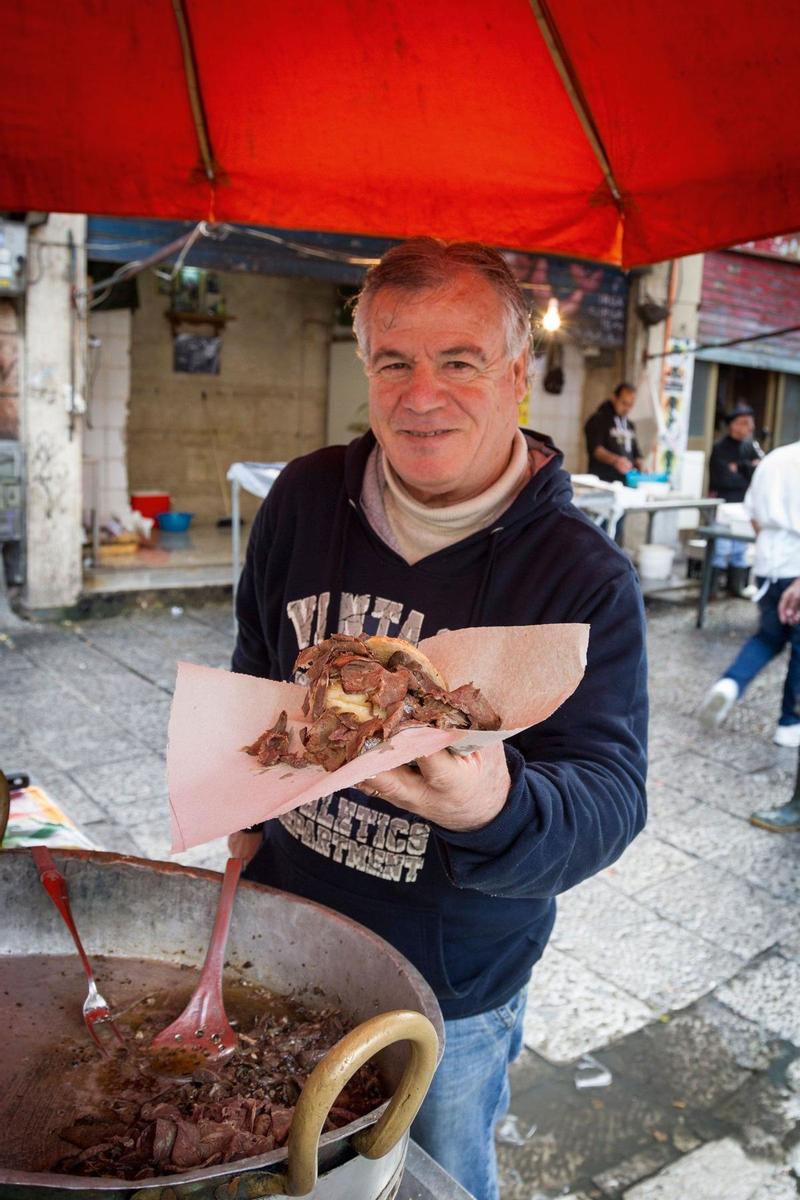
{"x":789,"y":604}
{"x":734,"y":467}
{"x":458,"y":792}
{"x":244,"y":845}
{"x":623,"y":464}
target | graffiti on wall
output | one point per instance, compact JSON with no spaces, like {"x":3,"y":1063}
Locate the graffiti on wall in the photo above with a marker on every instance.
{"x":49,"y":476}
{"x":9,"y":371}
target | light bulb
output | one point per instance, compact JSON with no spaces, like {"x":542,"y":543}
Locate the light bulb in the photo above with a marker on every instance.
{"x":551,"y":321}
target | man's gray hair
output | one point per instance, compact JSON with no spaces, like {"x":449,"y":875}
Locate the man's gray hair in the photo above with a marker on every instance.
{"x":427,"y":262}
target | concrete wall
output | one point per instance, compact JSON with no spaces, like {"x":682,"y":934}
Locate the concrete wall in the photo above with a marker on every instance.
{"x":267,"y":404}
{"x":560,"y":416}
{"x":647,"y":373}
{"x":105,"y":476}
{"x":348,"y":393}
{"x":53,"y":390}
{"x":588,"y":380}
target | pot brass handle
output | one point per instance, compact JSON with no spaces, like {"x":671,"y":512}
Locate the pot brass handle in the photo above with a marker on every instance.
{"x":331,"y":1075}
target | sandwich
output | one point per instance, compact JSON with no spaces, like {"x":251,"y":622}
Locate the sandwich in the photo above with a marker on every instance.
{"x":360,"y":691}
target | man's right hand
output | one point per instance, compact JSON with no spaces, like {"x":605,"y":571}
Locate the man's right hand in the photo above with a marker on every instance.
{"x":789,"y":604}
{"x":244,"y":845}
{"x":623,"y":464}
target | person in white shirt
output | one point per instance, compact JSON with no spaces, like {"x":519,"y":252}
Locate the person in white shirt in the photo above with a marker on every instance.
{"x":785,"y":819}
{"x":773,"y":504}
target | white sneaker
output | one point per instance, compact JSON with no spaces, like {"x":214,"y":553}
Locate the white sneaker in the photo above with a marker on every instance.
{"x":718,"y":702}
{"x":787,"y":735}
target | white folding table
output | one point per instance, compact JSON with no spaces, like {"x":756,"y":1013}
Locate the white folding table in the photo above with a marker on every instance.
{"x":256,"y":478}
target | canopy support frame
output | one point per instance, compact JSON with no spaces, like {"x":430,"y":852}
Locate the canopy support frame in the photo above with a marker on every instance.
{"x":195,"y":95}
{"x":560,"y":58}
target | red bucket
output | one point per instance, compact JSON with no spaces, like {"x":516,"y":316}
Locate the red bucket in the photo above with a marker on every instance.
{"x":150,"y":504}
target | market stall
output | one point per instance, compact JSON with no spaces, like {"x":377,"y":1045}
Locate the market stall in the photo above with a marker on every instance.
{"x":615,"y":133}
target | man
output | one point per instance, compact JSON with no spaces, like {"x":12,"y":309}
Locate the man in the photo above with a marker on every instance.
{"x":773,"y":504}
{"x":447,"y":515}
{"x":733,"y":460}
{"x":786,"y":819}
{"x":611,"y":437}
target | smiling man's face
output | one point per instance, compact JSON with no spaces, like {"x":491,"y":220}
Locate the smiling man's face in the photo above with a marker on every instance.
{"x":443,"y":391}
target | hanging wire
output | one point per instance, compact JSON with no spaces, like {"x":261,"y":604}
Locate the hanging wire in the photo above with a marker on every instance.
{"x":98,"y":292}
{"x":305,"y":251}
{"x":753,"y":337}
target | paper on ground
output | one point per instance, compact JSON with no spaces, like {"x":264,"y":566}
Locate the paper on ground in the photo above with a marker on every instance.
{"x":524,"y":671}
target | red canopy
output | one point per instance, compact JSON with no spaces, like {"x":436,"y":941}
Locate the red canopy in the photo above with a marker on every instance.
{"x":508,"y":121}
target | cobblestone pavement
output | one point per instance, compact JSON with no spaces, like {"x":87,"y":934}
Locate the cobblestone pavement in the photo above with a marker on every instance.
{"x":672,"y":983}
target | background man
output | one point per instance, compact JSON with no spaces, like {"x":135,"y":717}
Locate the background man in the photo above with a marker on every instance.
{"x":733,"y":460}
{"x":446,"y":515}
{"x":611,"y":437}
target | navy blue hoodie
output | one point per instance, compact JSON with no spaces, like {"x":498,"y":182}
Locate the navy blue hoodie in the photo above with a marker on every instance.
{"x":473,"y":911}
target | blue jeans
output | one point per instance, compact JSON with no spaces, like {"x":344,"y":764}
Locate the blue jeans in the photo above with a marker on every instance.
{"x":729,"y":553}
{"x":764,"y":645}
{"x":470,"y":1093}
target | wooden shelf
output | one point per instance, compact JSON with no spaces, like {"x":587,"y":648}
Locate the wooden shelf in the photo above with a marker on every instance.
{"x":189,"y":318}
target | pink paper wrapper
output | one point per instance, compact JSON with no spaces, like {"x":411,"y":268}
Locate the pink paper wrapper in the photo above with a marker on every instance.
{"x":525,"y":672}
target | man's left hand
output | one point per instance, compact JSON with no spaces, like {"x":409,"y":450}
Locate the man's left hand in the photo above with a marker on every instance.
{"x":458,"y":792}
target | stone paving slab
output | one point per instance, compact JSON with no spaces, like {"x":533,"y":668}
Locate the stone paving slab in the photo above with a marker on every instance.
{"x":573,"y":1011}
{"x":741,"y":751}
{"x":85,"y":707}
{"x":769,"y":862}
{"x":701,"y":829}
{"x":764,"y":1115}
{"x":631,"y":1170}
{"x":734,"y":791}
{"x":748,"y":1043}
{"x":88,"y":746}
{"x":789,"y":945}
{"x":660,"y":963}
{"x":646,"y":862}
{"x":767,"y":992}
{"x":717,"y":1171}
{"x":723,"y":909}
{"x":120,"y":782}
{"x":72,"y":798}
{"x":108,"y":834}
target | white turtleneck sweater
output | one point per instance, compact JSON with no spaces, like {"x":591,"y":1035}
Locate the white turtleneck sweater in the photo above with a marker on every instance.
{"x":416,"y":530}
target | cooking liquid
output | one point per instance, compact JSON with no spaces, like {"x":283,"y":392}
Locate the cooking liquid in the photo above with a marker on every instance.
{"x":50,"y":1071}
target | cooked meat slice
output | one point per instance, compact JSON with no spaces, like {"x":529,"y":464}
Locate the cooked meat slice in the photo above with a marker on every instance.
{"x":480,"y":712}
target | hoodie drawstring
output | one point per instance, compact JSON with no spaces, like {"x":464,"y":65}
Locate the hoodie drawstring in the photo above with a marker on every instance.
{"x":476,"y":614}
{"x":337,"y":552}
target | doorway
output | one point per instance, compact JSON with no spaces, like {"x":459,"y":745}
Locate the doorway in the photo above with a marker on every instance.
{"x":744,"y":385}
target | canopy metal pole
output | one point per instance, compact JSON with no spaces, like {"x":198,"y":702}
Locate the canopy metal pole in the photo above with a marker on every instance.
{"x":195,"y":95}
{"x":558,"y":53}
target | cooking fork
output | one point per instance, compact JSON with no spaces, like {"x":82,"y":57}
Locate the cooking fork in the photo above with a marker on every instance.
{"x":95,"y":1009}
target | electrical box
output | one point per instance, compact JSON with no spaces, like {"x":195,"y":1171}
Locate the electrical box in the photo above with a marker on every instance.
{"x":11,"y":490}
{"x":13,"y":253}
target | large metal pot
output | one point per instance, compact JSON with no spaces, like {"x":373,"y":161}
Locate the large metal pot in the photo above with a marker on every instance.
{"x":138,"y":909}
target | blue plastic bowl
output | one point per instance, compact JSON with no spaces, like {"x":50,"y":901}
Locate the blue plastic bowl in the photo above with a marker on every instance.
{"x":174,"y":522}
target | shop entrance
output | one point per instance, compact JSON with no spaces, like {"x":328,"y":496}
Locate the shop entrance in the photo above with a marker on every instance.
{"x":743,"y":385}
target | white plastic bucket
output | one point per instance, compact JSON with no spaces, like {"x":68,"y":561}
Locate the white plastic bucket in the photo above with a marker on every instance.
{"x":655,"y":562}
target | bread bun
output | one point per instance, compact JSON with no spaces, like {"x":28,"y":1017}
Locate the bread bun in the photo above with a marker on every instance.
{"x":359,"y":704}
{"x":384,"y":647}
